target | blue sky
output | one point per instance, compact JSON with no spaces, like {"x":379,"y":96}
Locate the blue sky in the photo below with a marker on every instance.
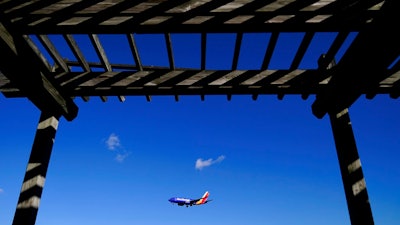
{"x":272,"y":161}
{"x":279,"y":162}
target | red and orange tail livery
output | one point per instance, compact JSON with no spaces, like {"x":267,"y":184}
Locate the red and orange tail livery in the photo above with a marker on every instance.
{"x":203,"y":199}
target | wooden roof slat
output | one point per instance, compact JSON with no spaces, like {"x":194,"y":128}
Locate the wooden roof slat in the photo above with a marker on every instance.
{"x":77,"y":52}
{"x":285,"y":80}
{"x":168,"y":43}
{"x":194,"y":77}
{"x":302,"y":50}
{"x":85,"y":98}
{"x":270,"y":49}
{"x":23,"y":8}
{"x":209,"y":78}
{"x":101,"y":13}
{"x":336,"y":45}
{"x":130,"y":78}
{"x":246,"y":75}
{"x":238,"y":17}
{"x":121,"y":98}
{"x":130,"y":67}
{"x":392,"y":77}
{"x":44,"y":62}
{"x":238,"y":44}
{"x":191,"y":90}
{"x":110,"y":78}
{"x":100,"y":52}
{"x":160,"y":81}
{"x":226,"y":11}
{"x":53,"y":52}
{"x":94,"y":82}
{"x":180,"y":78}
{"x":132,"y":45}
{"x":147,"y":77}
{"x":227,"y":77}
{"x":271,"y":78}
{"x":172,"y":79}
{"x":251,"y":88}
{"x":253,"y":6}
{"x":148,"y":98}
{"x":70,"y":17}
{"x":190,"y":12}
{"x":57,"y":12}
{"x":156,"y":9}
{"x":75,"y":79}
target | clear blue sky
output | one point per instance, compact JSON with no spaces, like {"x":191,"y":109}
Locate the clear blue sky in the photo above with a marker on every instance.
{"x":119,"y":163}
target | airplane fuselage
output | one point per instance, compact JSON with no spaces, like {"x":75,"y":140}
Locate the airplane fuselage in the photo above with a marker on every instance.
{"x":189,"y":201}
{"x":182,"y":201}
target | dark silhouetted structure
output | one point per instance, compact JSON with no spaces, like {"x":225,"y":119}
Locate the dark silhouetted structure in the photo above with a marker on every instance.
{"x":368,"y":67}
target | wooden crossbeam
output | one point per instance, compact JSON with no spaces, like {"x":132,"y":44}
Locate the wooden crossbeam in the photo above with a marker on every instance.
{"x":46,"y":95}
{"x":361,"y":68}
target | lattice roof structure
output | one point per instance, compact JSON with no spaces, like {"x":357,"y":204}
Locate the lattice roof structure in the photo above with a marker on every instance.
{"x":33,"y":66}
{"x":368,"y":66}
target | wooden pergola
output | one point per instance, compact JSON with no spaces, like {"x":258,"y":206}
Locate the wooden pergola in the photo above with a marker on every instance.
{"x":369,"y":66}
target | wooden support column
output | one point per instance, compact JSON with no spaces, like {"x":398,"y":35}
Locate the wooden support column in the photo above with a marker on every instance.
{"x":350,"y":167}
{"x":32,"y":187}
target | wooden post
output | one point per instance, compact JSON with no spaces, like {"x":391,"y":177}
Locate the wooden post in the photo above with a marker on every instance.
{"x":32,"y":187}
{"x":350,"y":167}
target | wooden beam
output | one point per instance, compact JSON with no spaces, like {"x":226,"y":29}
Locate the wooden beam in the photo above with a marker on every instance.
{"x":132,"y":45}
{"x":168,"y":43}
{"x":148,"y":98}
{"x":100,"y":52}
{"x":48,"y":45}
{"x":364,"y":64}
{"x":103,"y":98}
{"x":350,"y":167}
{"x":302,"y":50}
{"x":77,"y":52}
{"x":121,"y":98}
{"x":46,"y":95}
{"x":268,"y":53}
{"x":238,"y":44}
{"x":35,"y":175}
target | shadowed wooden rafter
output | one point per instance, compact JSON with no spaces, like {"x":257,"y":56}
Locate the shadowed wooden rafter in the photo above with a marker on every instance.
{"x":80,"y":77}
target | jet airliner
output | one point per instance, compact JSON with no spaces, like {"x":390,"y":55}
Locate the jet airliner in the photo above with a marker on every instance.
{"x":190,"y":202}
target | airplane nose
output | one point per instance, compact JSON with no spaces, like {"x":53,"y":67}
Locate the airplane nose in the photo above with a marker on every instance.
{"x":171,"y":199}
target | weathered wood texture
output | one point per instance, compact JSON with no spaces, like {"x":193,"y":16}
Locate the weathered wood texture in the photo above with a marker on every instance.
{"x":83,"y":78}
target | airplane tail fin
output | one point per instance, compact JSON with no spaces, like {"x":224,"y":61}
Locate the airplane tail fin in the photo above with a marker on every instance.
{"x":203,"y":199}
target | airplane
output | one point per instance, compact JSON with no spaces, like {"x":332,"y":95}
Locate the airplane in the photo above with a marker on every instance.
{"x":190,"y":202}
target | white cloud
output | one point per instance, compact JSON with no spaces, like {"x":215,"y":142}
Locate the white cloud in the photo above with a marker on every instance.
{"x":120,"y":157}
{"x":220,"y":158}
{"x":200,"y":163}
{"x":1,"y":191}
{"x":113,"y":142}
